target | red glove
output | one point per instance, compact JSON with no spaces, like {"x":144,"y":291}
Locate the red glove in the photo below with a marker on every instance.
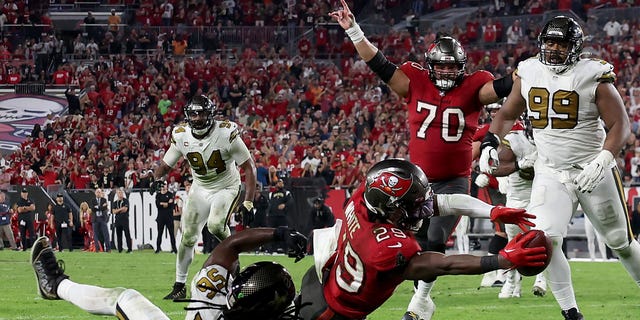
{"x":512,"y":216}
{"x":521,"y":256}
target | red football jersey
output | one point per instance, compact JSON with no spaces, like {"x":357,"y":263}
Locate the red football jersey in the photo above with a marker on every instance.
{"x":442,"y":123}
{"x":369,"y":261}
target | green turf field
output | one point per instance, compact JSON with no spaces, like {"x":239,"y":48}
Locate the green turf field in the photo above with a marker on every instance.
{"x":604,"y":290}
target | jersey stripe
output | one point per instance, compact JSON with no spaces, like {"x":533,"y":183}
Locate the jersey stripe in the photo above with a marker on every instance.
{"x":620,"y":189}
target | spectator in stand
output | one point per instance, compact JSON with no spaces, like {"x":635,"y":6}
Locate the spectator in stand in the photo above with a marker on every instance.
{"x":514,"y":33}
{"x":114,"y":21}
{"x":489,"y":31}
{"x":25,"y":208}
{"x":99,"y":218}
{"x":120,"y":208}
{"x":63,"y":218}
{"x":613,"y":30}
{"x":167,"y":13}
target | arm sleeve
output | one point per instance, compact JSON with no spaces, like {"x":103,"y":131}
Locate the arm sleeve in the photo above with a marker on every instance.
{"x":462,"y":205}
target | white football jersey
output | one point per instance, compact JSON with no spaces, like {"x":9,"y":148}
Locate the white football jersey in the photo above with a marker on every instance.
{"x":561,"y":107}
{"x":214,"y":158}
{"x":210,"y":285}
{"x":519,"y":191}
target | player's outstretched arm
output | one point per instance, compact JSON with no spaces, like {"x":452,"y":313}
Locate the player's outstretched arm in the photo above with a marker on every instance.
{"x":226,"y":253}
{"x":386,"y":70}
{"x":430,"y":265}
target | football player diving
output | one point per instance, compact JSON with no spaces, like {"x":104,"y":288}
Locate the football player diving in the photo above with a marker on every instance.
{"x":362,"y":259}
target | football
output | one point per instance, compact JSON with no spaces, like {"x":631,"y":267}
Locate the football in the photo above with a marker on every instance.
{"x":539,"y":240}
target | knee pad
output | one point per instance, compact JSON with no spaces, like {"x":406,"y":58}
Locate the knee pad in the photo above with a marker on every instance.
{"x":436,"y":246}
{"x":617,"y":240}
{"x":188,"y":240}
{"x":497,"y":243}
{"x":220,"y":231}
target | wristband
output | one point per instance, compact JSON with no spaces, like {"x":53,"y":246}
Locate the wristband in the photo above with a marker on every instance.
{"x":279,"y":233}
{"x":355,"y":33}
{"x":489,"y":263}
{"x":248,"y":205}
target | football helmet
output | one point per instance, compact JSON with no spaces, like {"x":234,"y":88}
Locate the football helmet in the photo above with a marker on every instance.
{"x":199,"y":114}
{"x":399,"y":191}
{"x":446,"y":51}
{"x":263,"y":290}
{"x":563,"y":30}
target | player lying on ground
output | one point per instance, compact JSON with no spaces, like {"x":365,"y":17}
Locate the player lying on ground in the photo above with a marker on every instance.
{"x":215,"y":291}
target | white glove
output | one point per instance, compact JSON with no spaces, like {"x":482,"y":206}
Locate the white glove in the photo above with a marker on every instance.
{"x":528,"y":160}
{"x":593,"y":172}
{"x":489,"y":161}
{"x":482,"y":180}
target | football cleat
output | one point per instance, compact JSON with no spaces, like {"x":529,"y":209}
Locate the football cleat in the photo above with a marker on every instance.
{"x":539,"y":291}
{"x":511,"y":287}
{"x":410,"y":316}
{"x":540,"y":286}
{"x":424,"y":311}
{"x":572,"y":314}
{"x":49,"y":271}
{"x":179,"y":292}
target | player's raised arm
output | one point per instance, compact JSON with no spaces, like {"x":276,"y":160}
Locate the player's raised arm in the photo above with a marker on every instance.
{"x":386,"y":70}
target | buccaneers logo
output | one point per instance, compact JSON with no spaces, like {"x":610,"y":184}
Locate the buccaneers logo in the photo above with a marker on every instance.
{"x":391,"y":184}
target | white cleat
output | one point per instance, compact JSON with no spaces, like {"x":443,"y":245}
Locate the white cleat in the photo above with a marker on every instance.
{"x":424,"y":311}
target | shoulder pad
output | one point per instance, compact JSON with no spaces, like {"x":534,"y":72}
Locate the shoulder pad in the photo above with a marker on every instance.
{"x":603,"y":70}
{"x":179,"y":129}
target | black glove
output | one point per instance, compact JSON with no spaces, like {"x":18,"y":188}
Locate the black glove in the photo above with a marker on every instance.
{"x":246,"y":213}
{"x":155,"y":186}
{"x":296,"y":242}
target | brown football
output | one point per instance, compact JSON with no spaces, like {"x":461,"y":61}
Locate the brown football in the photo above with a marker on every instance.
{"x":540,"y":240}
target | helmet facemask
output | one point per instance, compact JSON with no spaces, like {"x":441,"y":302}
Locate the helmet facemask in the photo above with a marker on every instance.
{"x":199,"y":113}
{"x":446,"y":61}
{"x":263,"y":290}
{"x":560,"y":42}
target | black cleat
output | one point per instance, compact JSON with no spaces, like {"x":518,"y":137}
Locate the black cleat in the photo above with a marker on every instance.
{"x":49,"y":271}
{"x":179,"y":292}
{"x":572,"y":314}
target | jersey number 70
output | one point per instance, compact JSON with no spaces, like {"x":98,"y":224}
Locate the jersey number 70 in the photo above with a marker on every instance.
{"x":445,"y":130}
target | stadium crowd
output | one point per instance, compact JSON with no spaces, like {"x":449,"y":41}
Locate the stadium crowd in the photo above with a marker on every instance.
{"x":301,"y":116}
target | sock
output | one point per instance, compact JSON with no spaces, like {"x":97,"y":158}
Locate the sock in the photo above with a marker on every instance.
{"x":420,"y":297}
{"x":630,"y":259}
{"x":93,"y":299}
{"x":183,"y":260}
{"x":559,"y":277}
